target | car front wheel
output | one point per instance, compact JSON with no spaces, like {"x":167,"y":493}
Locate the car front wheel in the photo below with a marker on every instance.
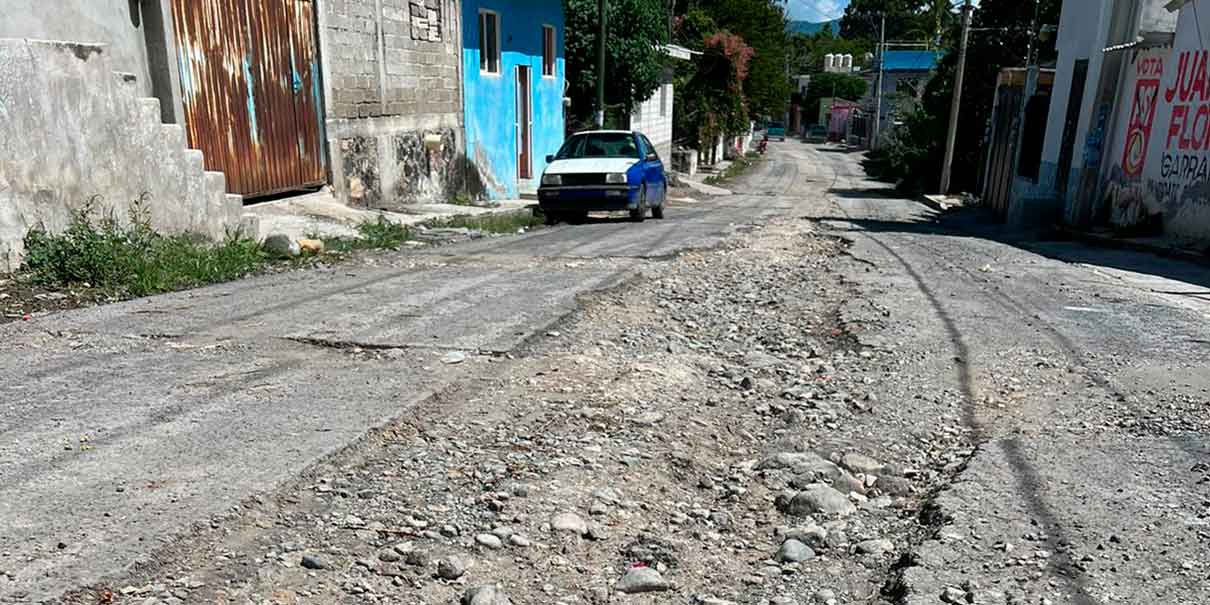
{"x":657,"y":212}
{"x":639,"y":214}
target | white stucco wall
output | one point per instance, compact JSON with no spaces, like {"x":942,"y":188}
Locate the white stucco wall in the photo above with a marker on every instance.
{"x":118,"y":24}
{"x":1083,"y":26}
{"x":654,"y":119}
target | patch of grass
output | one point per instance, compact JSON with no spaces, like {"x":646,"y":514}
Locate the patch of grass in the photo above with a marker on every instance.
{"x":508,"y":222}
{"x":124,"y":259}
{"x":383,"y":234}
{"x":380,"y":234}
{"x":462,"y":199}
{"x":131,"y":259}
{"x":738,"y":166}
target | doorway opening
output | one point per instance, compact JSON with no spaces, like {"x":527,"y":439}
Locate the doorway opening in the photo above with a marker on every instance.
{"x":524,"y":123}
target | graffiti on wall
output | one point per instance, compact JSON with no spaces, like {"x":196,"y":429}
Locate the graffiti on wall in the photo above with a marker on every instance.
{"x":1142,"y":115}
{"x":1128,"y":195}
{"x":1160,"y":177}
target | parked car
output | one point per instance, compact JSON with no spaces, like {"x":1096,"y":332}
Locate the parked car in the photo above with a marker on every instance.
{"x":817,"y":134}
{"x":603,"y":170}
{"x":776,"y":130}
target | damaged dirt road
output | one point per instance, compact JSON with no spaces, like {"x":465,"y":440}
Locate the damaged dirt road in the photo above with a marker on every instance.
{"x":809,"y":393}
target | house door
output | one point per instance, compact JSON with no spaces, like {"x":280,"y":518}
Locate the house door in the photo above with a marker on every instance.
{"x":250,"y":87}
{"x":524,"y":124}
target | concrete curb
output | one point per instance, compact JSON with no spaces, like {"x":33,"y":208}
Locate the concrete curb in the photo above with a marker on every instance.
{"x":1106,"y":241}
{"x":941,"y":203}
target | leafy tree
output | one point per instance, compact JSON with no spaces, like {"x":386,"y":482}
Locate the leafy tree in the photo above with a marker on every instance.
{"x":843,"y":86}
{"x":634,"y":62}
{"x":905,"y":20}
{"x":693,"y":28}
{"x":806,"y":53}
{"x":761,"y":24}
{"x":827,"y":85}
{"x":711,"y":103}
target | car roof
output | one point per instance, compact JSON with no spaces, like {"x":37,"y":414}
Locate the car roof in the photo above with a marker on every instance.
{"x":602,"y":132}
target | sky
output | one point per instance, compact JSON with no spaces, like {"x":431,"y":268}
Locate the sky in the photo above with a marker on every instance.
{"x":816,"y":10}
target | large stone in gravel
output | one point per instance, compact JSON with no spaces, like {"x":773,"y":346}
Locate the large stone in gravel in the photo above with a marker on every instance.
{"x":281,"y":246}
{"x":825,"y":596}
{"x":809,"y":465}
{"x":793,"y":551}
{"x":485,"y":595}
{"x":314,"y":562}
{"x":894,"y":486}
{"x":859,"y":463}
{"x":489,"y":541}
{"x":569,"y":522}
{"x":811,"y":535}
{"x":451,"y":568}
{"x":641,"y":579}
{"x":819,"y":499}
{"x":875,"y":547}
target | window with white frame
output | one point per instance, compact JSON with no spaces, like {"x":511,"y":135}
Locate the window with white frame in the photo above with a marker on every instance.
{"x":489,"y":42}
{"x":548,"y":51}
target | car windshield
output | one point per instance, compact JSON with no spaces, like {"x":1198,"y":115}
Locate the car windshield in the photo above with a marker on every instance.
{"x":599,"y":145}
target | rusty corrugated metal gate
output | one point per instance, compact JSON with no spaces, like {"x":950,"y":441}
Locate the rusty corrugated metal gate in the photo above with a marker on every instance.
{"x":250,"y":86}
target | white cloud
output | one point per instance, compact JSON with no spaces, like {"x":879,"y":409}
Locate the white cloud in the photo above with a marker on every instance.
{"x":816,"y":10}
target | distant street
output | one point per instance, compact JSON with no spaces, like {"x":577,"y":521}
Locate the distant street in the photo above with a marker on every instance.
{"x":1028,"y":420}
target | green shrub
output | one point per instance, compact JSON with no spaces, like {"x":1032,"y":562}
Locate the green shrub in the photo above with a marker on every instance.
{"x":910,"y":157}
{"x":132,"y":259}
{"x":372,"y":235}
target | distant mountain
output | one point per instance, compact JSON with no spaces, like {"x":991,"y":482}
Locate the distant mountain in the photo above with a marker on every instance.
{"x":810,"y":27}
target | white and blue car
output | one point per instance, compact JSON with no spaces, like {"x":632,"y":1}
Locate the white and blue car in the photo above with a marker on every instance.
{"x":603,"y":170}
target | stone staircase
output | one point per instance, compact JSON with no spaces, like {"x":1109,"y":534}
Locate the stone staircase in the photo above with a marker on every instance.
{"x":74,"y":130}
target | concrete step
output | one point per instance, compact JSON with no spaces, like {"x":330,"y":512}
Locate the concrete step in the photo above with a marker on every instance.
{"x":149,"y":110}
{"x":174,"y":136}
{"x":215,"y":218}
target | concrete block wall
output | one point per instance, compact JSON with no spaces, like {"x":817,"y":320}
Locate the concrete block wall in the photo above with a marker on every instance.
{"x":654,"y":119}
{"x":392,"y":80}
{"x":72,"y":130}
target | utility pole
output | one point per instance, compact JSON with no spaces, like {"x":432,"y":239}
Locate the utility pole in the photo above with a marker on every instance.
{"x":878,"y":92}
{"x":601,"y":63}
{"x":951,"y":135}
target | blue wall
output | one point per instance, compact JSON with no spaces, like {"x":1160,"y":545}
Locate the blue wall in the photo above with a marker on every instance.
{"x":491,"y":107}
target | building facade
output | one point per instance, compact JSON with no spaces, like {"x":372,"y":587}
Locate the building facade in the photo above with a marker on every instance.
{"x":221,"y":102}
{"x":513,"y":83}
{"x":904,"y":75}
{"x":392,"y":81}
{"x":1127,"y":136}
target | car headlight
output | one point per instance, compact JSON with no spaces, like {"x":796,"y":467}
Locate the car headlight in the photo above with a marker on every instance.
{"x":554,"y":180}
{"x":615,"y":178}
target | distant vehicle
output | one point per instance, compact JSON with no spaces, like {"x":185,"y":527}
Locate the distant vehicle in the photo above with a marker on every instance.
{"x":776,"y":130}
{"x":603,"y":170}
{"x":817,"y":134}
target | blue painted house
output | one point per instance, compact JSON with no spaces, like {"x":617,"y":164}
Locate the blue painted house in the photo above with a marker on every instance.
{"x":513,"y":70}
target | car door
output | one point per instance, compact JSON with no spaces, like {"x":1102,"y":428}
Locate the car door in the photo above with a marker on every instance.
{"x":657,"y":182}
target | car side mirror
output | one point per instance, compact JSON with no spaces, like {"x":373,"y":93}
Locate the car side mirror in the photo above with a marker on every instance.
{"x":651,"y":157}
{"x":550,"y":158}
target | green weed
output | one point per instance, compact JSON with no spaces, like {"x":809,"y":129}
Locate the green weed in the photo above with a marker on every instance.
{"x":131,"y":259}
{"x":492,"y":223}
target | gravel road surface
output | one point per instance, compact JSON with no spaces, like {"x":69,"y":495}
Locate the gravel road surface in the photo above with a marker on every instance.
{"x":812,"y":391}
